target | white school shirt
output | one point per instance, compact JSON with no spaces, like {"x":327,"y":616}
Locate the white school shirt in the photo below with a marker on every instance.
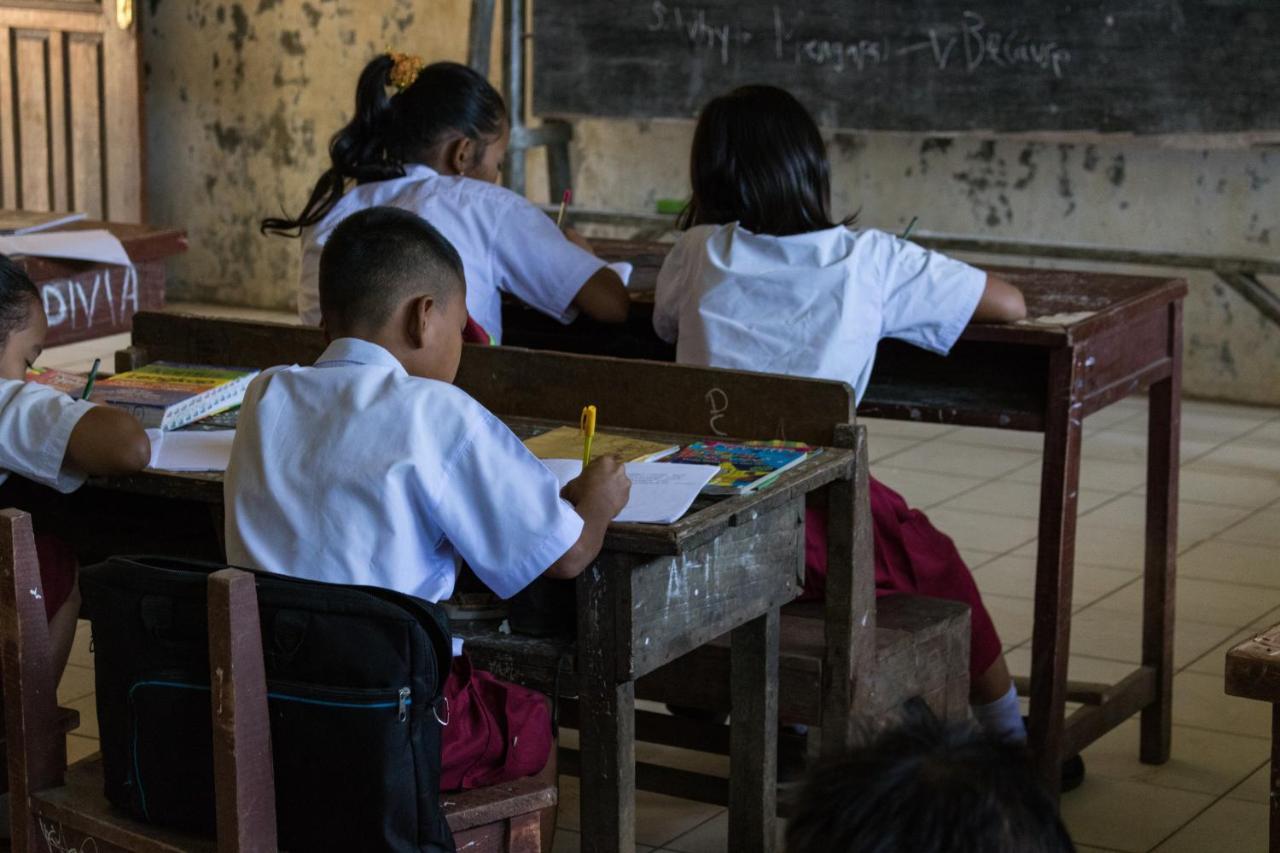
{"x":354,"y":472}
{"x":810,"y":305}
{"x":507,"y":244}
{"x":35,"y":426}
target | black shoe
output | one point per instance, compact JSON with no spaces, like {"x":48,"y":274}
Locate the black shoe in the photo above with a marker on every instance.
{"x":1072,"y":770}
{"x":1072,"y":773}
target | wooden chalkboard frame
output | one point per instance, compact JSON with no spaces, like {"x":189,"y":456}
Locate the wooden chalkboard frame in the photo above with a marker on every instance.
{"x":943,"y":67}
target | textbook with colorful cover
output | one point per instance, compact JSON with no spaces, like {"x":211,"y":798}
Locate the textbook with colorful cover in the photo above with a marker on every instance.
{"x":744,"y":466}
{"x":166,"y":395}
{"x":63,"y":380}
{"x":566,"y":443}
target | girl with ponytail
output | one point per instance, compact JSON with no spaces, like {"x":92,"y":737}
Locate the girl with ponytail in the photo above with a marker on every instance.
{"x":431,"y":140}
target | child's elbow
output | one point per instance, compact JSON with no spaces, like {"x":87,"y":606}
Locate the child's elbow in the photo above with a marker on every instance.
{"x":136,"y":454}
{"x":1015,"y":305}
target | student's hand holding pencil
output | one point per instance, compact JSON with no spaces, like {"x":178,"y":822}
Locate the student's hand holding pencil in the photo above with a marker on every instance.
{"x":602,"y":488}
{"x":578,"y":240}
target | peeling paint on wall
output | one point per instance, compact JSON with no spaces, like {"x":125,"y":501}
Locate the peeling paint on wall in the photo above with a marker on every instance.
{"x":243,"y":97}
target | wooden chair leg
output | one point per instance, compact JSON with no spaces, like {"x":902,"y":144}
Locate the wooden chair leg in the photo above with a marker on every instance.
{"x":37,"y":749}
{"x":244,"y":782}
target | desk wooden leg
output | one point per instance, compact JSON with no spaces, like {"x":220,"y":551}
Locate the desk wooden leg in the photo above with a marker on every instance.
{"x":1160,"y":569}
{"x":1055,"y":559}
{"x":753,"y":737}
{"x":849,"y":620}
{"x":607,"y":719}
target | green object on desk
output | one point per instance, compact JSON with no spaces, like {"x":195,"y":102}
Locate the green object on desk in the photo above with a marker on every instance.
{"x":671,"y":206}
{"x":93,"y":374}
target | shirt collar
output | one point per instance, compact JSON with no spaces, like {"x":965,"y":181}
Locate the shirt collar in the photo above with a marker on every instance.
{"x":419,"y":171}
{"x":359,"y":351}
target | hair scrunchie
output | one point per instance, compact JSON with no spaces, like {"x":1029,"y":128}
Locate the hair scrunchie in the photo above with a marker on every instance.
{"x":405,"y":69}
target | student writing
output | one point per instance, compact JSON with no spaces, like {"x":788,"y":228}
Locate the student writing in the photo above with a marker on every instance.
{"x":764,"y":279}
{"x":53,"y":440}
{"x":435,"y":146}
{"x":370,"y":467}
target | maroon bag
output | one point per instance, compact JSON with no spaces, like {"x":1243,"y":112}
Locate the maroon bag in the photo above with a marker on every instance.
{"x":496,"y":731}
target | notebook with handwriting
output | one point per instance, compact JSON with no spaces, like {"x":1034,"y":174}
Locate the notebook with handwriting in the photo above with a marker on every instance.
{"x":660,"y":494}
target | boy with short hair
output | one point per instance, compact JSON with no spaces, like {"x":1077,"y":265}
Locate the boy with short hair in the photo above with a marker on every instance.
{"x":370,"y":467}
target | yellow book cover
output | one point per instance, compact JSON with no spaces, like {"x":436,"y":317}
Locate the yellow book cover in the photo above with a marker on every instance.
{"x":566,"y":443}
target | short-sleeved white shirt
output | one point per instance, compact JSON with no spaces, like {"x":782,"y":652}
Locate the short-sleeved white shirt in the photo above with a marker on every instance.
{"x":506,"y":244}
{"x":35,"y":426}
{"x":354,"y":472}
{"x":810,"y":305}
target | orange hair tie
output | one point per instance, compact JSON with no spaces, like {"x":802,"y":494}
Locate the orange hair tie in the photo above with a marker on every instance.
{"x":406,"y":69}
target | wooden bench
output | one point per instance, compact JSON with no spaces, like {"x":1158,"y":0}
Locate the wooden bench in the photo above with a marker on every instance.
{"x":66,"y":807}
{"x":1253,"y":672}
{"x":921,"y":647}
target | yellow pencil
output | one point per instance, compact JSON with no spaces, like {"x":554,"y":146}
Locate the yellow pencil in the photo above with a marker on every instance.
{"x":588,"y":425}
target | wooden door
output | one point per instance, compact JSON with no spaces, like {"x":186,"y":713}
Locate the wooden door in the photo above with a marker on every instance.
{"x":71,"y":108}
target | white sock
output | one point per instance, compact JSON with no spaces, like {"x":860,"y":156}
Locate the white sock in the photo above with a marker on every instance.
{"x":1003,"y":717}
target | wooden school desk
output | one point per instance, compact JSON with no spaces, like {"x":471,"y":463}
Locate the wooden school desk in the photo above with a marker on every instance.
{"x":88,"y":300}
{"x":1099,"y":338}
{"x":657,"y":591}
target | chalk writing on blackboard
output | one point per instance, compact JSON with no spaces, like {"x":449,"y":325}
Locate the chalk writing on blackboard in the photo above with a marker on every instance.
{"x":965,"y":45}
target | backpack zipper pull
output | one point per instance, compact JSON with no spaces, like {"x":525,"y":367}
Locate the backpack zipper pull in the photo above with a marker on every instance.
{"x":402,"y":707}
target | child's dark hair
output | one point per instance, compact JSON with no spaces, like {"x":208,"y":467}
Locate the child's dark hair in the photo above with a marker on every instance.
{"x":758,"y":159}
{"x":17,"y":295}
{"x":445,"y":101}
{"x":376,"y":258}
{"x":926,"y":787}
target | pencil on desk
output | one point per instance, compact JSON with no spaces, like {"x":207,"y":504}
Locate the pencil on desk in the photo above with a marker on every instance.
{"x":912,"y":224}
{"x":564,"y":202}
{"x":93,"y":374}
{"x":588,"y":424}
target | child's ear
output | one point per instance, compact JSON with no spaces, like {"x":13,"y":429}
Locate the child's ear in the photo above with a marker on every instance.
{"x":463,"y":153}
{"x":419,"y":319}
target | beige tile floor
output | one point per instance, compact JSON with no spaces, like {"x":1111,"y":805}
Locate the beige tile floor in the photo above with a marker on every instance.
{"x":981,"y":487}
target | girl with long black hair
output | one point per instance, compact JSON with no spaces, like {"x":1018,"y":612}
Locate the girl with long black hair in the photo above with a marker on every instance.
{"x":431,"y":139}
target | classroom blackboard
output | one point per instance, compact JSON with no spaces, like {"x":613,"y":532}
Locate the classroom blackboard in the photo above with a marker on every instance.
{"x":1131,"y":66}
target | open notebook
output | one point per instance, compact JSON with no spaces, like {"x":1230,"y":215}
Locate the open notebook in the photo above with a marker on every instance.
{"x":660,"y":494}
{"x":191,"y":450}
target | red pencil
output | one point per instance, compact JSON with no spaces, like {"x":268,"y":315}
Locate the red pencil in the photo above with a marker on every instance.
{"x":564,"y":202}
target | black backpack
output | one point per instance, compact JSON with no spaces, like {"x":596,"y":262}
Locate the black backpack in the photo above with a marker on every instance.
{"x":354,"y":675}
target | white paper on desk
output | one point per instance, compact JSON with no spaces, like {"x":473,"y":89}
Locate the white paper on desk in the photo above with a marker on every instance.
{"x":623,"y":269}
{"x":95,"y":245}
{"x":659,"y":495}
{"x":191,"y":450}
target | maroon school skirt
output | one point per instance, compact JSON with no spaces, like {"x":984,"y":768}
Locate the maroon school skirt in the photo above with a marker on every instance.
{"x":911,"y":556}
{"x":57,"y":572}
{"x":497,"y":731}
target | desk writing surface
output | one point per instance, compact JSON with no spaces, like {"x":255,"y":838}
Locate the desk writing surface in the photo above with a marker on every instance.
{"x":142,"y":242}
{"x":704,"y":521}
{"x":1078,"y":300}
